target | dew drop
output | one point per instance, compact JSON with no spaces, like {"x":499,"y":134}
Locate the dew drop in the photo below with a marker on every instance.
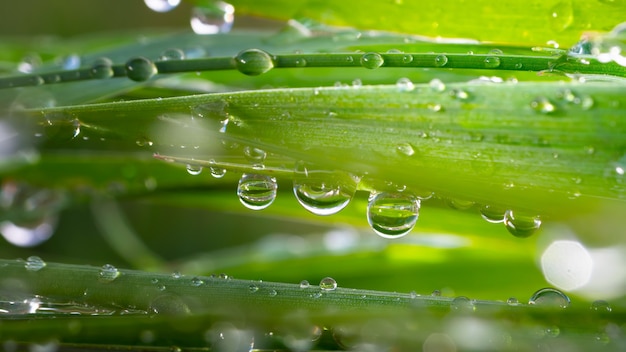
{"x":256,"y":192}
{"x":71,"y":62}
{"x":549,"y":297}
{"x":212,"y":18}
{"x":194,"y":169}
{"x":413,"y":295}
{"x":172,"y":54}
{"x":459,"y":94}
{"x":273,"y":293}
{"x":542,"y":105}
{"x":108,"y":273}
{"x":436,"y":293}
{"x":328,"y":284}
{"x":253,"y":62}
{"x":405,"y":149}
{"x":492,"y":62}
{"x":254,"y":155}
{"x":586,"y":102}
{"x":372,"y":60}
{"x":253,"y":288}
{"x":561,"y":15}
{"x":34,"y":263}
{"x":407,"y":58}
{"x":462,"y":304}
{"x":140,"y":69}
{"x":492,"y":214}
{"x":176,"y":275}
{"x":161,"y":5}
{"x":441,"y":60}
{"x":512,"y":301}
{"x":196,"y":281}
{"x":601,"y":306}
{"x":553,"y":331}
{"x":216,"y":172}
{"x":436,"y":85}
{"x":322,"y":192}
{"x":392,"y":215}
{"x":405,"y":85}
{"x":102,"y":68}
{"x":304,"y":284}
{"x":520,"y":225}
{"x":300,"y":62}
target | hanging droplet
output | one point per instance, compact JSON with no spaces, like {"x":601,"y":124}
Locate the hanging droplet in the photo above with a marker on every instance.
{"x":441,"y":60}
{"x":304,"y":284}
{"x":161,"y":5}
{"x":372,"y":60}
{"x":108,"y":273}
{"x":492,"y":214}
{"x":194,"y":169}
{"x":492,"y":62}
{"x":216,"y":172}
{"x":28,"y":234}
{"x":34,"y":263}
{"x":256,"y":192}
{"x":520,"y":225}
{"x":392,"y":215}
{"x":212,"y":18}
{"x":328,"y":284}
{"x":253,"y":62}
{"x":254,"y":155}
{"x":436,"y":85}
{"x":542,"y":105}
{"x":601,"y":306}
{"x":549,"y":297}
{"x":172,"y":54}
{"x":322,"y":192}
{"x":102,"y":68}
{"x":140,"y":69}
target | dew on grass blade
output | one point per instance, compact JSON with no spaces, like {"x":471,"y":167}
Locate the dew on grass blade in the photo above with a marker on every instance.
{"x":542,"y":105}
{"x":194,"y":170}
{"x":140,"y":69}
{"x":372,"y":60}
{"x":108,"y":273}
{"x":172,"y":54}
{"x":304,"y":284}
{"x":161,"y":5}
{"x":216,"y":172}
{"x":521,"y":225}
{"x":256,"y":192}
{"x":436,"y":85}
{"x":34,"y":263}
{"x":253,"y":62}
{"x":492,"y":214}
{"x":322,"y":192}
{"x":212,"y":18}
{"x":254,"y":155}
{"x":405,"y":85}
{"x":392,"y":215}
{"x":441,"y":60}
{"x":549,"y":298}
{"x":102,"y":68}
{"x":601,"y":306}
{"x":492,"y":62}
{"x":328,"y":284}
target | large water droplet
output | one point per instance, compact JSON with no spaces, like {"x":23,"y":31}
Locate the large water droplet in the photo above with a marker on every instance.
{"x":253,"y":62}
{"x":561,"y":15}
{"x":34,"y":263}
{"x":322,"y":192}
{"x":108,"y":273}
{"x":212,"y":18}
{"x":102,"y":68}
{"x":256,"y":192}
{"x":161,"y":5}
{"x":140,"y":69}
{"x":328,"y":284}
{"x":172,"y":54}
{"x":392,"y":215}
{"x":521,"y":225}
{"x":441,"y":60}
{"x":549,"y":297}
{"x":372,"y":60}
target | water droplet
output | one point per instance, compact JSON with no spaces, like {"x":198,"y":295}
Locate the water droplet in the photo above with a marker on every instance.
{"x":405,"y":149}
{"x":253,"y":288}
{"x":459,"y":204}
{"x":562,"y":15}
{"x":108,"y":273}
{"x":518,"y":66}
{"x":256,"y":192}
{"x":492,"y":62}
{"x":492,"y":214}
{"x":372,"y":60}
{"x":161,"y":5}
{"x":328,"y":284}
{"x":194,"y":169}
{"x":462,"y":304}
{"x":542,"y":105}
{"x":254,"y":155}
{"x":520,"y":225}
{"x":34,"y":263}
{"x":392,"y":215}
{"x":216,"y":172}
{"x":405,"y":85}
{"x":436,"y":85}
{"x":304,"y":284}
{"x":172,"y":54}
{"x":413,"y":295}
{"x":102,"y":68}
{"x":601,"y":306}
{"x":553,"y":331}
{"x":441,"y":60}
{"x":322,"y":192}
{"x":512,"y":301}
{"x":176,"y":275}
{"x":407,"y":58}
{"x":459,"y":94}
{"x":273,"y":293}
{"x":436,"y":293}
{"x":140,"y":69}
{"x":549,"y":297}
{"x":212,"y":18}
{"x":586,"y":102}
{"x":253,"y":62}
{"x":196,"y":281}
{"x":71,"y":62}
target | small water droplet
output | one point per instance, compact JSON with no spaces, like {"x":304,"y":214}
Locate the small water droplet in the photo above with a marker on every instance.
{"x":462,"y":304}
{"x":601,"y":306}
{"x":196,"y":281}
{"x":561,"y":15}
{"x":553,"y":331}
{"x":253,"y":288}
{"x":253,"y":62}
{"x":254,"y":155}
{"x":161,"y":5}
{"x":304,"y":284}
{"x":71,"y":62}
{"x":273,"y":293}
{"x":586,"y":102}
{"x":172,"y":54}
{"x":328,"y":284}
{"x":392,"y":215}
{"x":212,"y":18}
{"x":216,"y":172}
{"x":316,"y":295}
{"x":512,"y":301}
{"x":459,"y":94}
{"x":405,"y":85}
{"x":436,"y":85}
{"x":372,"y":60}
{"x":549,"y":297}
{"x":407,"y":58}
{"x":436,"y":293}
{"x":194,"y":169}
{"x":405,"y":149}
{"x":322,"y":192}
{"x":34,"y":263}
{"x":521,"y":225}
{"x":441,"y":60}
{"x":518,"y":66}
{"x":413,"y":295}
{"x":492,"y":62}
{"x":256,"y":192}
{"x":140,"y":69}
{"x":300,"y":62}
{"x":492,"y":214}
{"x":542,"y":105}
{"x":102,"y":68}
{"x":176,"y":275}
{"x":108,"y":273}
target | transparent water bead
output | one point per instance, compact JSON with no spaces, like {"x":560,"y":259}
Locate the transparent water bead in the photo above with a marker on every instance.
{"x":161,"y":5}
{"x":405,"y":85}
{"x":549,"y":297}
{"x":322,"y":192}
{"x":372,"y":60}
{"x":102,"y":68}
{"x":328,"y":284}
{"x":492,"y":214}
{"x":212,"y":18}
{"x":304,"y":284}
{"x":194,"y":170}
{"x":253,"y":62}
{"x":172,"y":54}
{"x":392,"y":215}
{"x":601,"y":306}
{"x":108,"y":273}
{"x":436,"y":85}
{"x":462,"y":304}
{"x":441,"y":60}
{"x":256,"y":192}
{"x":140,"y":69}
{"x":521,"y":225}
{"x":254,"y":155}
{"x":542,"y":105}
{"x":492,"y":62}
{"x":34,"y":263}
